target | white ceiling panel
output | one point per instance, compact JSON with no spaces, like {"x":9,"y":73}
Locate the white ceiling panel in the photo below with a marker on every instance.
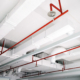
{"x":73,"y":6}
{"x":6,"y":6}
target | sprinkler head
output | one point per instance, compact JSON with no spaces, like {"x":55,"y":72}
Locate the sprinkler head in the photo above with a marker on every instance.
{"x":51,"y":14}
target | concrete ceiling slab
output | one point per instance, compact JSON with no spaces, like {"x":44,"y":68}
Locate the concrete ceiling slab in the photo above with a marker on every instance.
{"x":6,"y":6}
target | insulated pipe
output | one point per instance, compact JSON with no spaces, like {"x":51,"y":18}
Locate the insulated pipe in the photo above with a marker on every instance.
{"x":41,"y":59}
{"x":37,"y":51}
{"x":63,"y":65}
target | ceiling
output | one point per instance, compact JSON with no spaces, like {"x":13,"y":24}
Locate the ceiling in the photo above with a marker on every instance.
{"x":6,"y":6}
{"x":39,"y":17}
{"x":35,"y":20}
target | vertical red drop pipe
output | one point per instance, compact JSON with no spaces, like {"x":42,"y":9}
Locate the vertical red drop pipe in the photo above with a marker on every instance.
{"x":36,"y":63}
{"x":63,"y":66}
{"x":60,"y":6}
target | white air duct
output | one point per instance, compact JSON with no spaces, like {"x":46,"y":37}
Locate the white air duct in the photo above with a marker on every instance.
{"x":55,"y":51}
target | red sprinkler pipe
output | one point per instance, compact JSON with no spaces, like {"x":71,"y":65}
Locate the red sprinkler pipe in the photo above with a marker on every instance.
{"x":41,"y":59}
{"x":36,"y":31}
{"x":63,"y":66}
{"x":61,"y":15}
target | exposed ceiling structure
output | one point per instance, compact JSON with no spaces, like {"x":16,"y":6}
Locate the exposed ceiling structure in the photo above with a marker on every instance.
{"x":35,"y":45}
